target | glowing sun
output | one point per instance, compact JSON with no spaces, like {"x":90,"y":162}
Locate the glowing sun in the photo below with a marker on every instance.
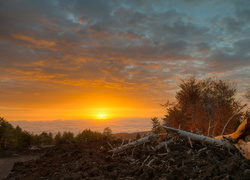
{"x":101,"y":115}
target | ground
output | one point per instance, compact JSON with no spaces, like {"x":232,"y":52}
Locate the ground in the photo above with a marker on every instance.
{"x":179,"y":160}
{"x":6,"y":163}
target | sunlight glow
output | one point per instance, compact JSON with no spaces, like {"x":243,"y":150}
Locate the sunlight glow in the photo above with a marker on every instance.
{"x":101,"y":115}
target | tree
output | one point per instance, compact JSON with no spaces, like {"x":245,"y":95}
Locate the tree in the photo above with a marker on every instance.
{"x":67,"y":136}
{"x":108,"y":133}
{"x":203,"y":106}
{"x":58,"y":138}
{"x":88,"y":135}
{"x":45,"y":139}
{"x":156,"y":129}
{"x":13,"y":138}
{"x":7,"y":134}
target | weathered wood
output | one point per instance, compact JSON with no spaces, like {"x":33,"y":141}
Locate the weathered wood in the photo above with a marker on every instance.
{"x":164,"y":143}
{"x":199,"y":138}
{"x":136,"y":143}
{"x":243,"y":127}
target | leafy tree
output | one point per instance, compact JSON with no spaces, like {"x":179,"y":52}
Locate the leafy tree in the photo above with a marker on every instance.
{"x":156,"y":129}
{"x":7,"y":137}
{"x":88,"y":135}
{"x":35,"y":140}
{"x":67,"y":136}
{"x":26,"y":139}
{"x":45,"y":139}
{"x":13,"y":138}
{"x":108,"y":133}
{"x":204,"y":106}
{"x":58,"y":138}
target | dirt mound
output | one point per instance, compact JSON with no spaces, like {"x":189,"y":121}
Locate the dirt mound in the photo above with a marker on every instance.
{"x":94,"y":161}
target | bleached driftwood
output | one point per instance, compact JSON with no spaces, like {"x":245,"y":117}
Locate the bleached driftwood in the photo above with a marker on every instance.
{"x":200,"y":138}
{"x":135,"y":143}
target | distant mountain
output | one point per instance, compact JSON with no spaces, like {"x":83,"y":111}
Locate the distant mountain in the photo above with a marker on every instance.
{"x":128,"y":136}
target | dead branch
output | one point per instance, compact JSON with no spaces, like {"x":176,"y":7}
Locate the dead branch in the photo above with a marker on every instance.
{"x":135,"y":143}
{"x":122,"y":142}
{"x":110,"y":145}
{"x":133,"y":150}
{"x":199,"y":138}
{"x":150,"y":162}
{"x":232,"y":118}
{"x":165,"y":143}
{"x":190,"y":142}
{"x":145,"y":161}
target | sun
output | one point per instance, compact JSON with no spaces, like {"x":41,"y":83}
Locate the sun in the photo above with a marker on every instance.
{"x":101,"y":115}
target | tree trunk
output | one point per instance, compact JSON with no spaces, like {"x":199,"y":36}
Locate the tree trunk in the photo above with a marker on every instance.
{"x":199,"y":138}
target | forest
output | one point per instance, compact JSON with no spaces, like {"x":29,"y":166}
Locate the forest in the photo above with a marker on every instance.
{"x":14,"y":138}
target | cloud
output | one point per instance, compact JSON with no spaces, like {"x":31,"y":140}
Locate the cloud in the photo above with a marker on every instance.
{"x":139,"y":46}
{"x":38,"y":43}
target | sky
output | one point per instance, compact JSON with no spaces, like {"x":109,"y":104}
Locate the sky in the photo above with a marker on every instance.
{"x":107,"y":59}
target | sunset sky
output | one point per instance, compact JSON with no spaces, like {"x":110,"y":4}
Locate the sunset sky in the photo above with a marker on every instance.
{"x":107,"y":59}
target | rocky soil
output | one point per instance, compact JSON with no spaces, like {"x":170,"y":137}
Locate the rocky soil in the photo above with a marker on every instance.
{"x":179,"y":160}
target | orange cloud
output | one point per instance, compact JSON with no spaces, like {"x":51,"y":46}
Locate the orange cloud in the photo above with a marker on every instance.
{"x":40,"y":43}
{"x":82,"y":20}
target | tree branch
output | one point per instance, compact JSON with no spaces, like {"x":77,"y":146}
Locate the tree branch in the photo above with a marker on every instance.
{"x":232,"y":118}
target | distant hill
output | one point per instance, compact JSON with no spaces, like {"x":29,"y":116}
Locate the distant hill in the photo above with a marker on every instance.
{"x":128,"y":136}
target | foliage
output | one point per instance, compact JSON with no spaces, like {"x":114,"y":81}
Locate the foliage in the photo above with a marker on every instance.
{"x":156,"y":129}
{"x":13,"y":138}
{"x":46,"y":138}
{"x":203,"y":106}
{"x":88,"y":135}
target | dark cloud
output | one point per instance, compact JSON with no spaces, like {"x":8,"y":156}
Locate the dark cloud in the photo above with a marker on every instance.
{"x":121,"y":44}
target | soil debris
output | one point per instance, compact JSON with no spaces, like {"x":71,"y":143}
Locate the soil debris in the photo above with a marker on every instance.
{"x":93,"y":160}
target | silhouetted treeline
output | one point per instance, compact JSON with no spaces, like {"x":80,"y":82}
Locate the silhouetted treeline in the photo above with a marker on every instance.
{"x":16,"y":138}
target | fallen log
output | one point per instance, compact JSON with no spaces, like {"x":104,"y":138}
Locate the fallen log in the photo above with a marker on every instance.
{"x":199,"y":138}
{"x":136,"y":143}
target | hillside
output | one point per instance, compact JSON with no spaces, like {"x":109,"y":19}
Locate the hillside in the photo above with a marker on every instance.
{"x":94,"y":161}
